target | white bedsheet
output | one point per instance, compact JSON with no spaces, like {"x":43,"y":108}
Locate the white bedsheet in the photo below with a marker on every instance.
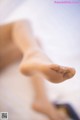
{"x":58,"y":27}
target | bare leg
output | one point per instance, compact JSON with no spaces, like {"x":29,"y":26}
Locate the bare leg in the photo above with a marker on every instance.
{"x":8,"y":50}
{"x":41,"y":103}
{"x":8,"y":55}
{"x":35,"y":61}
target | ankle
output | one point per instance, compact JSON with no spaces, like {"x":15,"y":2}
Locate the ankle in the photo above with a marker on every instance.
{"x":30,"y":52}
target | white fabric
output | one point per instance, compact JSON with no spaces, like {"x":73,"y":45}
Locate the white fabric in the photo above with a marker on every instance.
{"x":58,"y":27}
{"x":6,"y":7}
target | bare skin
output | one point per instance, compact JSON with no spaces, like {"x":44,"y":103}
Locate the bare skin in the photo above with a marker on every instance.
{"x":34,"y":63}
{"x":41,"y":102}
{"x":34,"y":59}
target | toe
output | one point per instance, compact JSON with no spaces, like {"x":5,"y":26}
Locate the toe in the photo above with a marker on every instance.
{"x":58,"y":68}
{"x":55,"y":67}
{"x":70,"y":72}
{"x":62,"y":69}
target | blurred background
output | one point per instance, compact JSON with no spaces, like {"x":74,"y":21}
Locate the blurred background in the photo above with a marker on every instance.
{"x":58,"y":26}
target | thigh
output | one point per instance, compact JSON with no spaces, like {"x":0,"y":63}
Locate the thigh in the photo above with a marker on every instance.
{"x":5,"y":35}
{"x":8,"y":50}
{"x":9,"y":55}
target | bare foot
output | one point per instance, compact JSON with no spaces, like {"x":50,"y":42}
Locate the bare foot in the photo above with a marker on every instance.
{"x":37,"y":62}
{"x":45,"y":107}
